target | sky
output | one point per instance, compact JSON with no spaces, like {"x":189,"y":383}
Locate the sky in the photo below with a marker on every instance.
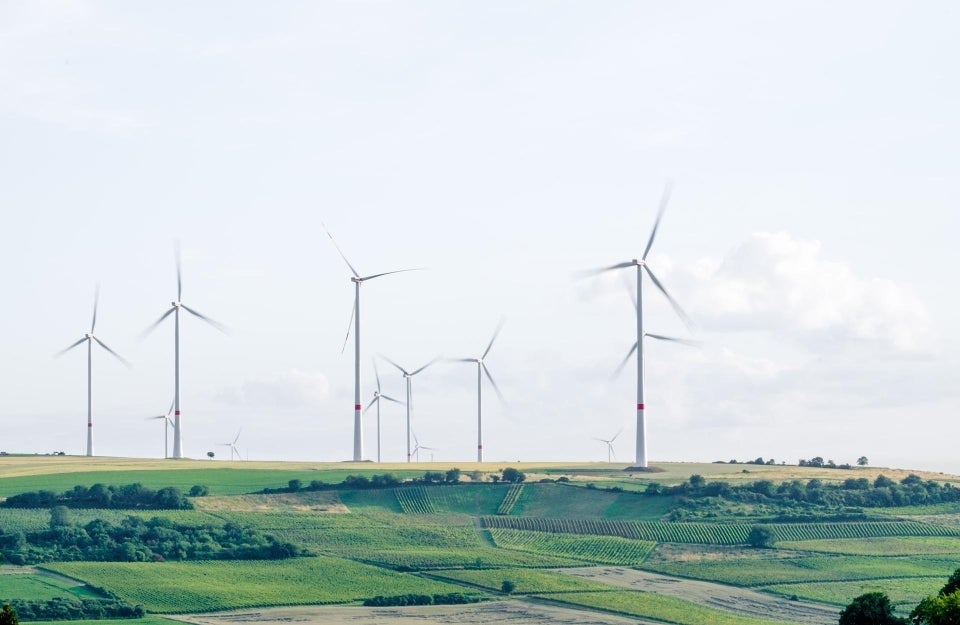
{"x":505,"y":148}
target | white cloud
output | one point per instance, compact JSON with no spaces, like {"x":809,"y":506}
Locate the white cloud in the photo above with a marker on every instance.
{"x":291,"y":389}
{"x":777,"y":283}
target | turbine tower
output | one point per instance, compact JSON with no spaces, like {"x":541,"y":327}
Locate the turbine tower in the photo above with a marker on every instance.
{"x":481,"y":367}
{"x":90,"y":339}
{"x":407,"y":376}
{"x":377,"y":396}
{"x":642,"y":266}
{"x":357,"y":280}
{"x":166,"y":427}
{"x":175,"y":307}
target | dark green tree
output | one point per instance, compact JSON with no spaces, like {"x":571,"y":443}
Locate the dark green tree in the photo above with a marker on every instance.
{"x":761,"y":537}
{"x":8,"y":616}
{"x":507,"y":586}
{"x":514,"y":476}
{"x":862,"y":461}
{"x":872,"y":608}
{"x":939,"y":610}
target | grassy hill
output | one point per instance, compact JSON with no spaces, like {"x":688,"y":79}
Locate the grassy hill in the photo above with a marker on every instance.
{"x":436,"y":539}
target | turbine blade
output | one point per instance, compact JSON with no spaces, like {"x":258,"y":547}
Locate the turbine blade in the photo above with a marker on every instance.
{"x":629,"y":287}
{"x":494,"y":338}
{"x":176,"y":247}
{"x":494,"y":384}
{"x":115,"y":354}
{"x":676,"y":307}
{"x":387,"y":273}
{"x":172,"y":403}
{"x":150,"y":329}
{"x":372,"y":402}
{"x":425,"y":366}
{"x":672,"y":339}
{"x":664,"y":199}
{"x":388,"y":398}
{"x":610,"y":442}
{"x":353,"y":311}
{"x":215,"y":324}
{"x":64,"y":351}
{"x":623,"y":363}
{"x":237,"y":437}
{"x":376,"y":373}
{"x":96,"y":300}
{"x":593,"y":272}
{"x":356,"y":274}
{"x":402,"y":370}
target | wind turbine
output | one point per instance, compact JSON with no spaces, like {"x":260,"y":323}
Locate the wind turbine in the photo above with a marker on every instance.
{"x":481,"y":367}
{"x":175,"y":307}
{"x":357,"y":280}
{"x":377,"y":396}
{"x":408,"y":375}
{"x":642,"y":266}
{"x":233,"y":446}
{"x":166,"y":426}
{"x":609,"y":443}
{"x":418,"y":447}
{"x":90,"y":339}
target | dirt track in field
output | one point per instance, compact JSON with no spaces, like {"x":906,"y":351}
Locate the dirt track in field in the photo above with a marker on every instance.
{"x":510,"y":612}
{"x":719,"y":596}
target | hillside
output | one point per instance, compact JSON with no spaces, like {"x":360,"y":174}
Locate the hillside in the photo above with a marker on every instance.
{"x":577,"y":536}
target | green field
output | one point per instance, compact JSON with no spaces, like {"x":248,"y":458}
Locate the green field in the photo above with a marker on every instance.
{"x":170,"y":587}
{"x":410,"y":539}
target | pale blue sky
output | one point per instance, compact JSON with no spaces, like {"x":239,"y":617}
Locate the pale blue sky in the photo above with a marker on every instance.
{"x":504,"y":146}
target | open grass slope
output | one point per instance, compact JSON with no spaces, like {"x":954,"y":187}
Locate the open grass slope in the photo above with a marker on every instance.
{"x":170,"y":587}
{"x":31,"y":583}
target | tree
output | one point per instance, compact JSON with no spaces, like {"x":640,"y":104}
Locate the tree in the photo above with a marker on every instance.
{"x":862,"y":461}
{"x":761,"y":537}
{"x":59,"y":517}
{"x":8,"y":616}
{"x":507,"y":586}
{"x":514,"y":476}
{"x":939,"y":610}
{"x":211,"y":455}
{"x":294,"y":486}
{"x":953,"y":584}
{"x":452,"y":476}
{"x":697,"y":481}
{"x":872,"y":608}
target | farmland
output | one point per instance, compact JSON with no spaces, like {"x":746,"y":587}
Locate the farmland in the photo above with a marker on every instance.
{"x":553,"y":540}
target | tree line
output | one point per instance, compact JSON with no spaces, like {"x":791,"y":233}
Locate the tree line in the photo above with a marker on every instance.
{"x":874,"y":608}
{"x":67,"y":609}
{"x":125,"y":497}
{"x":137,"y":540}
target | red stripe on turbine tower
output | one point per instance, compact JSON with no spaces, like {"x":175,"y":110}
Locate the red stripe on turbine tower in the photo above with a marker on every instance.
{"x":177,"y":413}
{"x":89,"y":424}
{"x":640,"y":407}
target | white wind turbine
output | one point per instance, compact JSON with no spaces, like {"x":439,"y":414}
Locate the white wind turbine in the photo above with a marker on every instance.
{"x":641,"y":265}
{"x":377,"y":396}
{"x":90,"y":339}
{"x":233,"y":446}
{"x":418,"y":447}
{"x":407,"y":376}
{"x":609,"y":443}
{"x":357,"y":280}
{"x":166,"y":427}
{"x":174,"y":310}
{"x":481,"y":367}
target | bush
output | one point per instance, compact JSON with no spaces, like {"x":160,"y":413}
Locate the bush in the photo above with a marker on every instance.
{"x":507,"y":586}
{"x":199,"y":491}
{"x":514,"y":476}
{"x":761,"y":537}
{"x":872,"y":608}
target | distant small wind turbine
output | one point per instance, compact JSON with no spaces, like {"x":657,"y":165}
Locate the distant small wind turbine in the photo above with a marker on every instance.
{"x":609,"y":443}
{"x":90,"y":339}
{"x":174,"y":310}
{"x":357,"y":280}
{"x":166,"y":426}
{"x":418,"y":447}
{"x":377,"y":396}
{"x":407,"y":376}
{"x":642,"y":265}
{"x":233,"y":446}
{"x":481,"y":367}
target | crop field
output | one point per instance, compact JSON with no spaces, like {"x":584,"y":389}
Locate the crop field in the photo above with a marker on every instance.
{"x":903,"y":592}
{"x":660,"y":607}
{"x":415,"y":500}
{"x":527,"y":581}
{"x":168,"y":587}
{"x":28,"y":583}
{"x":597,"y":549}
{"x":891,"y":546}
{"x":761,"y":572}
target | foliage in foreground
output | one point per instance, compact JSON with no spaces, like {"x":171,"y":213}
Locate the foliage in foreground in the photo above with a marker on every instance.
{"x":450,"y":598}
{"x":872,"y":608}
{"x":127,"y":497}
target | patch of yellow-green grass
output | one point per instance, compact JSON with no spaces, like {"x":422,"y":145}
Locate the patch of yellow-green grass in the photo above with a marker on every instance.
{"x":526,"y":581}
{"x":660,"y":607}
{"x":596,"y":549}
{"x":890,"y":546}
{"x":170,"y":587}
{"x":278,"y":503}
{"x":23,"y":582}
{"x":903,"y":592}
